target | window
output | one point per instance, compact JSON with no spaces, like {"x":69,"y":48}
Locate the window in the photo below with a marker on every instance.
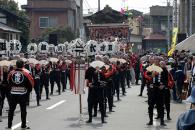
{"x":46,"y":22}
{"x":52,"y":21}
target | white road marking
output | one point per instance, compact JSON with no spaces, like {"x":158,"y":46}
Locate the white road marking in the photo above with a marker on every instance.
{"x":55,"y":105}
{"x":17,"y":125}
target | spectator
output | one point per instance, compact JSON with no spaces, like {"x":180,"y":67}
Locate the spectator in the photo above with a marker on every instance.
{"x":186,"y":120}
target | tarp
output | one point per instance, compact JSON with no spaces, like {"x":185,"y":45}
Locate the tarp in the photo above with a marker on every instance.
{"x":188,"y":44}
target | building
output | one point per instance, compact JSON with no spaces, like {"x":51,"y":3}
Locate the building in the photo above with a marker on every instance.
{"x":156,"y":27}
{"x":159,"y":18}
{"x":187,"y":17}
{"x":8,"y":25}
{"x":109,"y":24}
{"x":45,"y":14}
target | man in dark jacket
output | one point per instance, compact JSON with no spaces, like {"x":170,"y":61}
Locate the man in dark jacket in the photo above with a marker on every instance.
{"x":180,"y":77}
{"x":21,"y":83}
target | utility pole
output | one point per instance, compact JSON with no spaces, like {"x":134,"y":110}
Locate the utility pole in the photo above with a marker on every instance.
{"x":175,"y":14}
{"x":168,"y":25}
{"x":190,"y":17}
{"x":81,"y":13}
{"x":98,"y":5}
{"x":81,"y":21}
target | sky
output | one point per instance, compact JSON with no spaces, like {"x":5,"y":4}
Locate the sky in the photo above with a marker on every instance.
{"x":141,"y":5}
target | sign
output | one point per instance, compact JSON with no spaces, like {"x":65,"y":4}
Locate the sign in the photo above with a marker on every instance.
{"x":102,"y":48}
{"x":92,"y":47}
{"x":110,"y":47}
{"x":2,"y":46}
{"x":51,"y":48}
{"x":66,"y":44}
{"x":43,"y":47}
{"x":14,"y":46}
{"x":78,"y":48}
{"x":32,"y":48}
{"x":60,"y":48}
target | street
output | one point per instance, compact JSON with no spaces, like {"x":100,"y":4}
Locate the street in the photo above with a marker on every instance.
{"x":62,"y":112}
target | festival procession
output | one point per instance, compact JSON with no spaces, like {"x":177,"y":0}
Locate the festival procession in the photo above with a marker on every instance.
{"x":107,"y":69}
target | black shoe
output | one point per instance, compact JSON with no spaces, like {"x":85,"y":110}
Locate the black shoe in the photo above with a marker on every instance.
{"x":163,"y":124}
{"x":157,"y":117}
{"x":106,"y":116}
{"x":119,"y":99}
{"x":47,"y":98}
{"x":150,"y":123}
{"x":111,"y":111}
{"x":169,"y":118}
{"x":124,"y":94}
{"x":140,"y":95}
{"x":113,"y":106}
{"x":95,"y":115}
{"x":24,"y":128}
{"x":104,"y":122}
{"x":8,"y":128}
{"x":51,"y":93}
{"x":89,"y":121}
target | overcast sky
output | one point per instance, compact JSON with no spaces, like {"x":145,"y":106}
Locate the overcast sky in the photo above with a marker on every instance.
{"x":142,"y":5}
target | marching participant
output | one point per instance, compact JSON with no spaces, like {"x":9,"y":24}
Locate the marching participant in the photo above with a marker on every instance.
{"x":4,"y":89}
{"x":95,"y":82}
{"x":122,"y":78}
{"x":37,"y":74}
{"x":21,"y":83}
{"x":63,"y":76}
{"x":108,"y":73}
{"x":144,"y":71}
{"x":116,"y":80}
{"x":156,"y":94}
{"x":44,"y":78}
{"x":167,"y":94}
{"x":55,"y":76}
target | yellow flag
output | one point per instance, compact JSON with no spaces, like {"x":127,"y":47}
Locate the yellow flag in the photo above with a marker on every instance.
{"x":174,"y":41}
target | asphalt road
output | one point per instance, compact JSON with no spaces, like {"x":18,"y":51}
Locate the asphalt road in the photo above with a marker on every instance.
{"x":62,"y":113}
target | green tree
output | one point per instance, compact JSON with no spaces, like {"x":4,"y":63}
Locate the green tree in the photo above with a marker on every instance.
{"x":64,"y":34}
{"x":23,"y":24}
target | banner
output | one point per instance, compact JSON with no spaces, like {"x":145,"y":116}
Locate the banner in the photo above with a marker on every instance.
{"x":60,"y":48}
{"x":80,"y":78}
{"x":174,"y":41}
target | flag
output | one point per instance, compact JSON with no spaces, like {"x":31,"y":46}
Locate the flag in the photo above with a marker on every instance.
{"x":80,"y":78}
{"x":174,"y":41}
{"x":72,"y":76}
{"x":77,"y":78}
